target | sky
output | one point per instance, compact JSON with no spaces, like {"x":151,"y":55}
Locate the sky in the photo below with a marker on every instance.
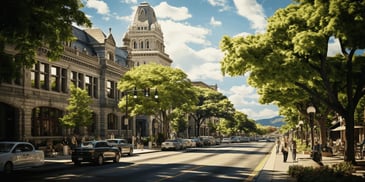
{"x":192,"y":31}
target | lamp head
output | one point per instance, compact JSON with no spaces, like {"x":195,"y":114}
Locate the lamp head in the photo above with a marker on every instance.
{"x":311,"y":109}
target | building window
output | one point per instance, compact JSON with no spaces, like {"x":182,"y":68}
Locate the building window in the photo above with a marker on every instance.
{"x":34,"y":75}
{"x":134,"y":44}
{"x":88,"y":85}
{"x":95,"y":87}
{"x":110,"y":56}
{"x":64,"y":80}
{"x":112,"y":122}
{"x":73,"y":77}
{"x":44,"y":76}
{"x":55,"y":78}
{"x":45,"y":122}
{"x":141,"y":42}
{"x":110,"y":89}
{"x":81,"y":80}
{"x":147,"y":44}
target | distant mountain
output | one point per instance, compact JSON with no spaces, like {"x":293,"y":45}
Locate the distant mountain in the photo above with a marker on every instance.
{"x":276,"y":121}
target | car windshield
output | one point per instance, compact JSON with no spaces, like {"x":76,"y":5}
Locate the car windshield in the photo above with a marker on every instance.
{"x":6,"y":147}
{"x":87,"y":144}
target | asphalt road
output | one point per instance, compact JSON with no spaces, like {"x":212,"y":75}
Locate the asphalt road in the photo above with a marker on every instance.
{"x":225,"y":162}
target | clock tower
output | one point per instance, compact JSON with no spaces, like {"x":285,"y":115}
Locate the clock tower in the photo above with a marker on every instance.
{"x":145,"y":38}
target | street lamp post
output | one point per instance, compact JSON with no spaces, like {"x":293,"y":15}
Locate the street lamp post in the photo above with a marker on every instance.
{"x":135,"y":91}
{"x":311,"y":110}
{"x":301,"y":123}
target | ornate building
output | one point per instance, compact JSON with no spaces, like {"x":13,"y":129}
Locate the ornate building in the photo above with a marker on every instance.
{"x":145,"y":38}
{"x":31,"y":105}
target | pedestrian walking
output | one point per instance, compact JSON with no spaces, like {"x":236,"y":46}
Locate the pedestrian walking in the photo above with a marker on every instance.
{"x":277,"y":145}
{"x":285,"y":150}
{"x":294,"y":150}
{"x":73,"y":142}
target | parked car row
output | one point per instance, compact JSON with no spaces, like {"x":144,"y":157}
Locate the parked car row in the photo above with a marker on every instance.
{"x":181,"y":144}
{"x":236,"y":139}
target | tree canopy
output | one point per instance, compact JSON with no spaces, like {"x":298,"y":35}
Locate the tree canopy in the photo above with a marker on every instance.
{"x":173,"y":88}
{"x":27,"y":25}
{"x":292,"y":56}
{"x":211,"y":103}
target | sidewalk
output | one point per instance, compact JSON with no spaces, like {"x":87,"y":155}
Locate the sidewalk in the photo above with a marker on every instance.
{"x":275,"y":170}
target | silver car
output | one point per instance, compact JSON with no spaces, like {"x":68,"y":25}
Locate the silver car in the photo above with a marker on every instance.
{"x":122,"y":144}
{"x":172,"y":144}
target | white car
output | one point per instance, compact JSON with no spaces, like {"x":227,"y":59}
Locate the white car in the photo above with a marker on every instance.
{"x":19,"y":155}
{"x":173,"y":144}
{"x":226,"y":140}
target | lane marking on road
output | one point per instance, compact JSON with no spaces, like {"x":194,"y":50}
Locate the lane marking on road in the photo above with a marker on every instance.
{"x":182,"y":173}
{"x":257,"y":169}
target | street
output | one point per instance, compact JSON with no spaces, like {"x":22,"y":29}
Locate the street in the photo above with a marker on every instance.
{"x":225,"y":162}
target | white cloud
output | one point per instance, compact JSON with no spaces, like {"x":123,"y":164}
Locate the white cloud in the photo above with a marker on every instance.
{"x":130,"y":1}
{"x":245,"y":99}
{"x":177,"y":35}
{"x":220,"y":3}
{"x":253,"y":11}
{"x":262,"y":113}
{"x":175,"y":13}
{"x":100,"y":6}
{"x":205,"y":71}
{"x":214,"y":22}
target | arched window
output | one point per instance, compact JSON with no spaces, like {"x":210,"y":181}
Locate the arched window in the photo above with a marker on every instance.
{"x":147,"y":44}
{"x":110,"y":56}
{"x":141,"y":44}
{"x":45,"y":121}
{"x":134,"y":44}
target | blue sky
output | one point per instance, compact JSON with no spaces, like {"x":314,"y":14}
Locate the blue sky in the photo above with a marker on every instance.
{"x":192,"y":31}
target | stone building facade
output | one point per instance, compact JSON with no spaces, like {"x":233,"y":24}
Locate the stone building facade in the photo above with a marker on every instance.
{"x":31,"y":105}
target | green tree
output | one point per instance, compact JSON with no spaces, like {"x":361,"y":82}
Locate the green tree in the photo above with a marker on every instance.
{"x":28,"y":25}
{"x":79,"y":112}
{"x":174,"y":92}
{"x":179,"y":122}
{"x":243,"y":124}
{"x":292,"y":53}
{"x":211,"y":103}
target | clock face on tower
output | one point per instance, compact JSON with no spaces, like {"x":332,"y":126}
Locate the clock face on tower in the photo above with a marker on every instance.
{"x":142,"y":16}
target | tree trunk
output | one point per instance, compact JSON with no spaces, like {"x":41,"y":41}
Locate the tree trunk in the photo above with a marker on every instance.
{"x":349,"y":129}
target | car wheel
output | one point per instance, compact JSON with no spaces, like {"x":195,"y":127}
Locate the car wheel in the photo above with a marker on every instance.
{"x":130,"y":152}
{"x":8,"y":168}
{"x":100,"y":160}
{"x":117,"y":158}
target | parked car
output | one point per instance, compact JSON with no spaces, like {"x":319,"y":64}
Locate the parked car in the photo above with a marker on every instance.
{"x":198,"y":142}
{"x":95,"y":151}
{"x":191,"y":142}
{"x":226,"y":140}
{"x":172,"y":144}
{"x":208,"y":140}
{"x":19,"y":155}
{"x":124,"y":146}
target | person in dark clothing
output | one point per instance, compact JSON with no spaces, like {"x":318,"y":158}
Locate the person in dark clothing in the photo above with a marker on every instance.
{"x":294,"y":149}
{"x":285,"y":150}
